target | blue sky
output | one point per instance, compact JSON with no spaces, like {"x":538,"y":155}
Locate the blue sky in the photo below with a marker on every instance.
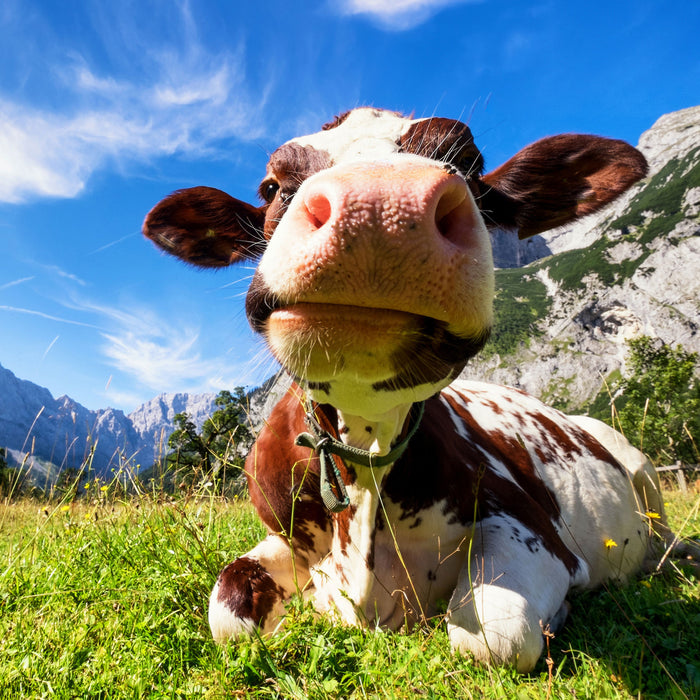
{"x":105,"y":107}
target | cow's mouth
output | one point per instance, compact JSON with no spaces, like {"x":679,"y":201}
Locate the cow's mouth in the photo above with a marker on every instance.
{"x":385,"y":348}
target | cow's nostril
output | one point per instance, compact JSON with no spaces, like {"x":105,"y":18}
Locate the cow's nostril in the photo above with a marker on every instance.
{"x":450,"y":213}
{"x":319,"y":208}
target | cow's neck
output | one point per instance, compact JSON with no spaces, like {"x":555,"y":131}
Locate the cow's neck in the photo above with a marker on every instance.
{"x":376,"y":435}
{"x":354,"y":534}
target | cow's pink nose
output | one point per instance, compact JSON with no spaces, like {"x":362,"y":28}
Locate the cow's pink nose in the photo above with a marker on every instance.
{"x":395,"y":200}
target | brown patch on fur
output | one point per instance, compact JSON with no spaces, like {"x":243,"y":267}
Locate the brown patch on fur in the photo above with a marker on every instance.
{"x":444,"y":140}
{"x":601,"y":453}
{"x":289,"y":166}
{"x":461,"y":474}
{"x":283,"y":478}
{"x":248,"y":590}
{"x":336,"y":121}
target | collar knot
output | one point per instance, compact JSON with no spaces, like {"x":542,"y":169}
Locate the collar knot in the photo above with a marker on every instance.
{"x":325,"y":446}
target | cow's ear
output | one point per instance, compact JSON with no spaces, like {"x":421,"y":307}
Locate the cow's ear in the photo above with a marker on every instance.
{"x":558,"y":179}
{"x":206,"y":227}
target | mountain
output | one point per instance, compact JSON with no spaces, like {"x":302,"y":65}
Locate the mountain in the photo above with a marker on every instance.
{"x":562,"y":321}
{"x":64,"y":433}
{"x":60,"y":430}
{"x":153,"y":420}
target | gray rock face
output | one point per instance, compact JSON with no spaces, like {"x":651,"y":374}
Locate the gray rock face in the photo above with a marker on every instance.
{"x":637,"y":263}
{"x":509,"y":251}
{"x":60,"y":430}
{"x":153,"y":421}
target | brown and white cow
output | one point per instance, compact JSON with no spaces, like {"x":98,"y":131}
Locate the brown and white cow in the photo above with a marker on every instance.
{"x":374,"y":289}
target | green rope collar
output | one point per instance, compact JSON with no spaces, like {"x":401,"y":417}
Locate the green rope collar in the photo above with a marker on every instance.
{"x":325,"y":445}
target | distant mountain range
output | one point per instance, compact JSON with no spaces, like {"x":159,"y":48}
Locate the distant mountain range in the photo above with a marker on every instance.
{"x":566,"y":303}
{"x":64,"y":433}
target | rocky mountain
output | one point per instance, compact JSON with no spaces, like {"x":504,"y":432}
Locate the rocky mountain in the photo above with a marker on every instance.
{"x":153,"y":420}
{"x":632,"y":269}
{"x":64,"y":433}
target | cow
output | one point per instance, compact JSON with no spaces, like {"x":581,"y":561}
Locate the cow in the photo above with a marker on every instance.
{"x":390,"y":488}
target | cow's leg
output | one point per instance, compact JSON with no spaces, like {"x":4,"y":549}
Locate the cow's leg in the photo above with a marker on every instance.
{"x":508,"y":591}
{"x":251,"y":592}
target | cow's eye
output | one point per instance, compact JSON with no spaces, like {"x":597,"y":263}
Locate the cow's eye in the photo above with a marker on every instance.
{"x":269,"y":189}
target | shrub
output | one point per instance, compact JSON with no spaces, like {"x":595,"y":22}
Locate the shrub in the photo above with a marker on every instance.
{"x":658,"y":403}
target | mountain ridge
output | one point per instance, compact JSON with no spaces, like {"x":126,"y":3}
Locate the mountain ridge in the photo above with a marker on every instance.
{"x":628,"y":270}
{"x":63,"y":432}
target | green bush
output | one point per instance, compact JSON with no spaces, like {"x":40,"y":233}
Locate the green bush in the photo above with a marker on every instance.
{"x":521,"y":300}
{"x":658,"y":403}
{"x":217,"y":452}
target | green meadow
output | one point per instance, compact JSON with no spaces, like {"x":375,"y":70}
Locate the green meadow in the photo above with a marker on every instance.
{"x":105,"y":596}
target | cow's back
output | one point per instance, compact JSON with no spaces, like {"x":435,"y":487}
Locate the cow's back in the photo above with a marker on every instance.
{"x":558,"y":472}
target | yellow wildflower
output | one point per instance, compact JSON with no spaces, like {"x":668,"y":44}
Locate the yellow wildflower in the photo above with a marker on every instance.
{"x":651,"y":514}
{"x":609,"y":544}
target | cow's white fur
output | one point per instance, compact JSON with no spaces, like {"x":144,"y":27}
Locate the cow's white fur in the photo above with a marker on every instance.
{"x":597,"y":503}
{"x":351,"y":141}
{"x":505,"y":596}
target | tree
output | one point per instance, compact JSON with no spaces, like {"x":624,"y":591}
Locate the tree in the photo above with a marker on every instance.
{"x":659,"y":403}
{"x":4,"y":473}
{"x":218,"y":451}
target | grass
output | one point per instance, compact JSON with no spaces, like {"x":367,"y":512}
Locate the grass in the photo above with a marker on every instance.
{"x":107,"y":599}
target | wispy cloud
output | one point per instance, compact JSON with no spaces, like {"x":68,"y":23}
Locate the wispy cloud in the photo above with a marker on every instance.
{"x":157,"y":361}
{"x":396,"y":15}
{"x":14,"y":283}
{"x":50,"y":345}
{"x":60,"y":272}
{"x":157,"y":352}
{"x":113,"y":243}
{"x":48,"y":317}
{"x":184,"y":100}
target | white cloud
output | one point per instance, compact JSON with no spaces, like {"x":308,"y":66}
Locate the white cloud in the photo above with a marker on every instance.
{"x":158,"y":353}
{"x":157,"y":362}
{"x":184,"y":101}
{"x":64,"y":274}
{"x":14,"y":283}
{"x":397,"y":14}
{"x":50,"y":345}
{"x":41,"y":314}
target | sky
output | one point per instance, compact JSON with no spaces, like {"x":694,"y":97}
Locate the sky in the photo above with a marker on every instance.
{"x":106,"y":107}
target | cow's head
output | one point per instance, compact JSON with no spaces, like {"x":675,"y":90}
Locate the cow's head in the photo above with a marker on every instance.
{"x":375,"y":284}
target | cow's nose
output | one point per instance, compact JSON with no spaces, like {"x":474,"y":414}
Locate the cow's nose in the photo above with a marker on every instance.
{"x":398,"y":201}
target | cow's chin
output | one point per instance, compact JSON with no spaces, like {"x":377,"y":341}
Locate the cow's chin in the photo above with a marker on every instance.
{"x":366,"y":360}
{"x":320,"y":343}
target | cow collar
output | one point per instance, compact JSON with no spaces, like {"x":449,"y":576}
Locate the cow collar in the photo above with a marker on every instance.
{"x":325,"y":445}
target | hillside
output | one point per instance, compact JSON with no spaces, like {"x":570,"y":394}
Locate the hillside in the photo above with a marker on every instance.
{"x":562,"y":321}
